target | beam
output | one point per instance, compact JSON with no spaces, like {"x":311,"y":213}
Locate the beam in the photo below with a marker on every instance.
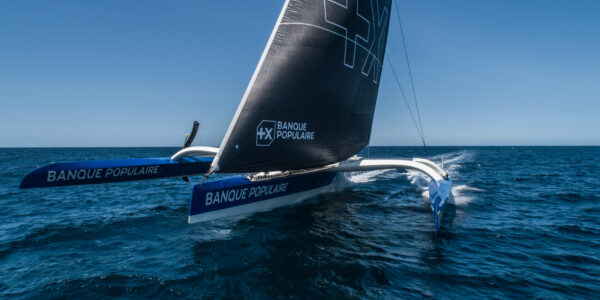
{"x":362,"y":164}
{"x":195,"y":151}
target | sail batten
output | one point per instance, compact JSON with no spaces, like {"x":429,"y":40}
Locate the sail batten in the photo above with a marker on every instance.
{"x":312,"y":97}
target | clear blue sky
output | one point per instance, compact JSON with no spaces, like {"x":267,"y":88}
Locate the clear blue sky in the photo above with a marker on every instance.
{"x":138,"y":73}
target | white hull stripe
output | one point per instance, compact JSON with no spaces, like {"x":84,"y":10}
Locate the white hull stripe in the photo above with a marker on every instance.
{"x":259,"y":206}
{"x":239,"y":195}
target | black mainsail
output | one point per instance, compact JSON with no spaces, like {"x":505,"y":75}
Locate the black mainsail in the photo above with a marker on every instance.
{"x":312,"y":97}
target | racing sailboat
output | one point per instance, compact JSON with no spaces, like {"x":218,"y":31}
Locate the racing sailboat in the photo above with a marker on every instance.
{"x":306,"y":113}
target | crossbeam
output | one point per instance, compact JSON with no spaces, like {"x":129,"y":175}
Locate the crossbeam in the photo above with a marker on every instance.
{"x":362,"y":164}
{"x":195,"y":151}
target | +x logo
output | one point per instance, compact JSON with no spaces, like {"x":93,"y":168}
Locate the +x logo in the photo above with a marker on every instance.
{"x":265,"y":133}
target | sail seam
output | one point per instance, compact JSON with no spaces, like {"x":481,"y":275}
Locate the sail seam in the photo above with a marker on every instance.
{"x":337,"y":34}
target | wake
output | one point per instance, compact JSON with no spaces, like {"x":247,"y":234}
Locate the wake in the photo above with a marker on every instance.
{"x":364,"y":177}
{"x":452,"y":163}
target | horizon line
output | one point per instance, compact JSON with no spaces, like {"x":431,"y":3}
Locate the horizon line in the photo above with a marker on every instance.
{"x":412,"y":146}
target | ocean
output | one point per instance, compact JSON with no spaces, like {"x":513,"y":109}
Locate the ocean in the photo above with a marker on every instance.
{"x":525,"y":223}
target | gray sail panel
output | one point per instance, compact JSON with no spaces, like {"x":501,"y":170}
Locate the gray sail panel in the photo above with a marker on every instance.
{"x":312,"y":98}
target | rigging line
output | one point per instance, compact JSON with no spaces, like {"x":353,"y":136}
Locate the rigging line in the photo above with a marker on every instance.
{"x":408,"y":65}
{"x":412,"y":115}
{"x":411,"y":76}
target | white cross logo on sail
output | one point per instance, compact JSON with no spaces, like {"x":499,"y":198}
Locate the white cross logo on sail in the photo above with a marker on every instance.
{"x":357,"y":28}
{"x":265,"y":133}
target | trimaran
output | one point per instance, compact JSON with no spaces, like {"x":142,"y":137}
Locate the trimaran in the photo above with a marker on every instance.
{"x":306,"y":113}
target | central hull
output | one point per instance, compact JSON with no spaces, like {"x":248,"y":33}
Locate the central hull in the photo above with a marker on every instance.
{"x":239,"y":195}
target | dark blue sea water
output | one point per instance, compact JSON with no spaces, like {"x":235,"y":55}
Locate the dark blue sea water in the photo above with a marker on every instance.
{"x":525,"y":224}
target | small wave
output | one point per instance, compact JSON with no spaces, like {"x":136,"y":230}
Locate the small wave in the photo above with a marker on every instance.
{"x":458,"y":192}
{"x":425,"y":195}
{"x":417,"y":178}
{"x":453,"y":157}
{"x":461,"y":196}
{"x":462,"y":188}
{"x":453,"y":160}
{"x":569,"y":196}
{"x":520,"y":179}
{"x":363,"y":177}
{"x":221,"y":232}
{"x":69,"y":232}
{"x":576,"y":229}
{"x":160,"y":208}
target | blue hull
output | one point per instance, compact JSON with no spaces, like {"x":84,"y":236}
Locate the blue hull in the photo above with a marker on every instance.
{"x":439,"y":195}
{"x":103,"y":171}
{"x":238,"y":195}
